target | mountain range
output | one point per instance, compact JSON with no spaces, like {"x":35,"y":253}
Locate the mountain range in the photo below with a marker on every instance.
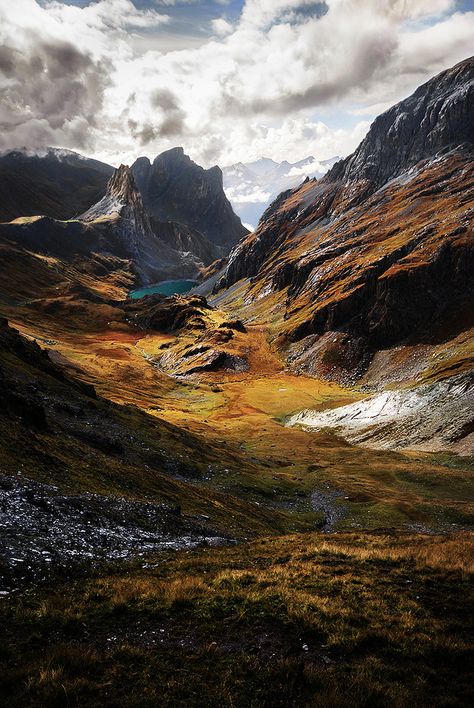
{"x":252,"y":186}
{"x":178,"y":223}
{"x":367,"y":273}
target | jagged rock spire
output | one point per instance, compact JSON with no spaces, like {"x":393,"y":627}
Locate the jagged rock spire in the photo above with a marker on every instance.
{"x":121,"y":192}
{"x":123,"y":199}
{"x":122,"y":185}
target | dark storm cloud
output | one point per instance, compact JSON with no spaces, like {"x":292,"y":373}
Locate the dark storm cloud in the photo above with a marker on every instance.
{"x":169,"y":122}
{"x":165,"y":99}
{"x":172,"y":123}
{"x":51,"y":92}
{"x":7,"y":61}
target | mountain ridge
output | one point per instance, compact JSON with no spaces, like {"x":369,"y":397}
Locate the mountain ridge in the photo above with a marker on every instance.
{"x":252,"y":186}
{"x":59,"y":184}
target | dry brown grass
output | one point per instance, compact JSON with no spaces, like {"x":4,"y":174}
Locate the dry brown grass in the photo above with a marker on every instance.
{"x":384,"y":619}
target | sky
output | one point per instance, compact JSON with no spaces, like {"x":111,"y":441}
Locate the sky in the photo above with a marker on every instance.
{"x":229,"y":80}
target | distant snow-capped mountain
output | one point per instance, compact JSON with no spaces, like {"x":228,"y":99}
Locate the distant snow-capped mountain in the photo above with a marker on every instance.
{"x":252,"y":186}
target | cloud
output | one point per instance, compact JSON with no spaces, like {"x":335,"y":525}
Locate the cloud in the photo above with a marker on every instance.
{"x":264,"y":13}
{"x":50,"y":91}
{"x":307,"y":169}
{"x":256,"y":195}
{"x":106,"y":15}
{"x":264,"y":84}
{"x":169,"y":123}
{"x":221,"y":27}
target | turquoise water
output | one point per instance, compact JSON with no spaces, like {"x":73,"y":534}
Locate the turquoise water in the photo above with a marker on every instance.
{"x":166,"y":287}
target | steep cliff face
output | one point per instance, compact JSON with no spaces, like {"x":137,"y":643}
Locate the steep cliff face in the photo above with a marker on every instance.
{"x":380,"y":250}
{"x":174,"y":188}
{"x":185,"y":239}
{"x":438,"y":115}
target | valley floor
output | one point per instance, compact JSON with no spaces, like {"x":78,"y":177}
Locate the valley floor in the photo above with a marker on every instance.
{"x":240,"y":418}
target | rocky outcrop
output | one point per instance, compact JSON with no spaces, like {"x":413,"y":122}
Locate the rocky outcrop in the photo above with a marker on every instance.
{"x":201,"y":360}
{"x":169,"y":314}
{"x":205,"y":341}
{"x":174,"y":188}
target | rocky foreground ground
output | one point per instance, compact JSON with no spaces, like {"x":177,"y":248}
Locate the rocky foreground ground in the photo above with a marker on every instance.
{"x":44,"y":532}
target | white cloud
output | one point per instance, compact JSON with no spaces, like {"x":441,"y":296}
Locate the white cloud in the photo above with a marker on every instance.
{"x":307,"y":169}
{"x":255,"y":195}
{"x":221,"y":27}
{"x":251,"y":89}
{"x":105,"y":15}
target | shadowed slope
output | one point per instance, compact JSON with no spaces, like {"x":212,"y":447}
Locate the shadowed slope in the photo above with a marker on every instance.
{"x":60,"y":184}
{"x":347,"y":620}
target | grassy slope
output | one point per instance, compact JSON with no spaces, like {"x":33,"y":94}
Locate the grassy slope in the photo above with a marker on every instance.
{"x":237,"y":418}
{"x":92,"y":445}
{"x":348,"y":619}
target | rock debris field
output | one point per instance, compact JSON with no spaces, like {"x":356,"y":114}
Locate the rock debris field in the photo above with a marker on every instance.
{"x":44,"y":532}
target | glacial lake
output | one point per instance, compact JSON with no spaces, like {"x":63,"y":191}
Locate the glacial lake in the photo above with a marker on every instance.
{"x":166,"y":287}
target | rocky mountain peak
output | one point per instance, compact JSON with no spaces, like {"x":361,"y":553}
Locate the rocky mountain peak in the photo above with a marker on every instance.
{"x":437,"y":116}
{"x":122,"y":206}
{"x":172,"y":154}
{"x":121,"y":192}
{"x":174,"y":188}
{"x":172,"y":159}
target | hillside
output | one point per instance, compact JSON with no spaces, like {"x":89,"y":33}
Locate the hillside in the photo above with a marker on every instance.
{"x":295,"y":621}
{"x":366,"y":274}
{"x":60,"y":184}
